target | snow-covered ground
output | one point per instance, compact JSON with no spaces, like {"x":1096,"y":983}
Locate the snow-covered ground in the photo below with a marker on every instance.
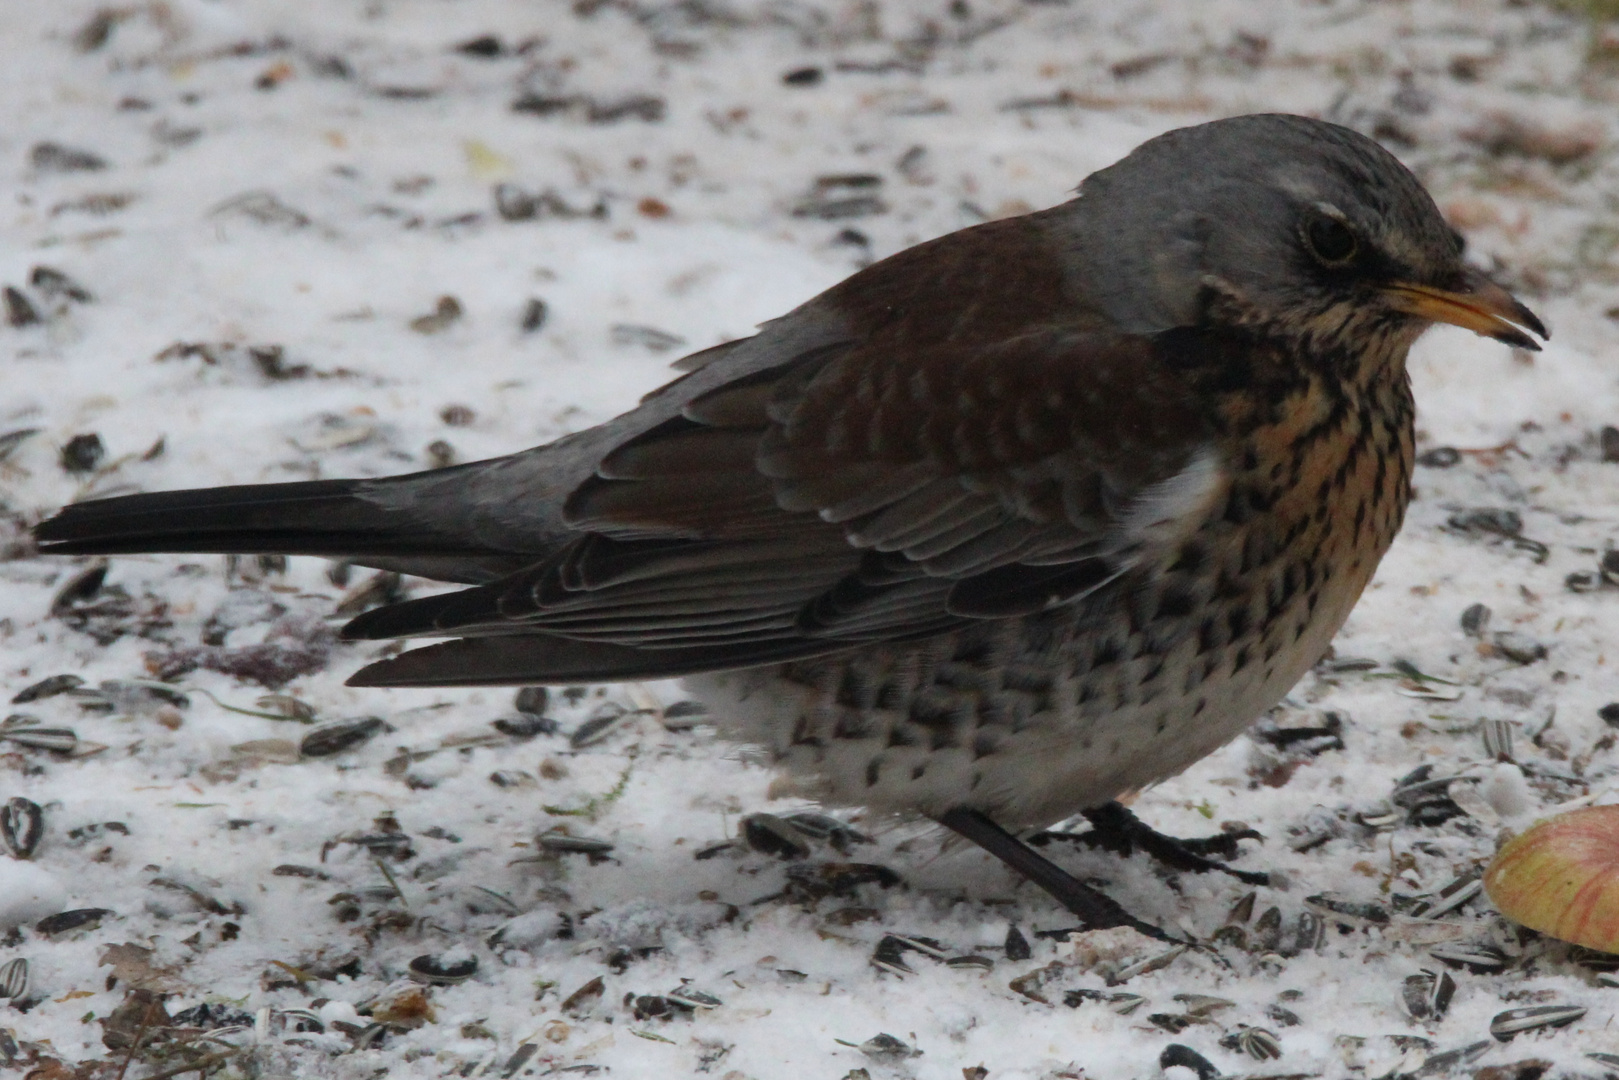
{"x":230,"y":229}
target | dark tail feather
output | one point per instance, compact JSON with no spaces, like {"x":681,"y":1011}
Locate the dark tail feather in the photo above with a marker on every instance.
{"x":538,"y":659}
{"x":334,"y":518}
{"x":319,"y":517}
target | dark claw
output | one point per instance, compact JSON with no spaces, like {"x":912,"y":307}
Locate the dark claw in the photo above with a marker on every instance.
{"x":1115,"y":828}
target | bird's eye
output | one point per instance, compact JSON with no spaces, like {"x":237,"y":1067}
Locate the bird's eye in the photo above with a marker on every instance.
{"x":1330,"y":240}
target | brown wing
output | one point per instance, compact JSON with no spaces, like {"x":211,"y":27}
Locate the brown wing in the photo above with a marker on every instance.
{"x":887,"y":489}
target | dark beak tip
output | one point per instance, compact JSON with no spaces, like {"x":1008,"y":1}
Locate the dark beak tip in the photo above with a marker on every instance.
{"x":1529,"y":320}
{"x":1518,"y":340}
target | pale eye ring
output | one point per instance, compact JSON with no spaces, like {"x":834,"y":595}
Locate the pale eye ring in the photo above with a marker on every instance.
{"x":1331,"y":241}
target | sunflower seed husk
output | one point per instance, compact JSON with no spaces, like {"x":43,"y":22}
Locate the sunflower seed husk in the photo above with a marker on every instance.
{"x":340,"y":735}
{"x":1443,"y":1063}
{"x":1283,"y":1017}
{"x":684,"y":715}
{"x":56,"y":684}
{"x":928,"y":947}
{"x":1141,"y":967}
{"x":518,"y":1059}
{"x":715,"y":850}
{"x":482,"y":900}
{"x":1429,"y":692}
{"x":140,"y":694}
{"x":650,"y":1006}
{"x":1519,"y":648}
{"x":600,"y":724}
{"x":1117,"y":1001}
{"x":14,"y":979}
{"x":66,"y":921}
{"x":1594,"y":959}
{"x":1343,"y":909}
{"x":1449,"y":898}
{"x":1427,"y":995}
{"x":525,"y":726}
{"x":1256,"y":1042}
{"x":557,"y":840}
{"x":535,"y":311}
{"x":1497,"y":738}
{"x":1434,"y":811}
{"x":1505,"y":1025}
{"x":1466,"y":795}
{"x":1017,"y":946}
{"x":1475,"y":620}
{"x":828,"y":828}
{"x":885,"y":1047}
{"x":1610,"y":1060}
{"x":10,"y":1052}
{"x":689,"y":997}
{"x":889,"y":957}
{"x":1314,"y":833}
{"x":1487,"y":519}
{"x":1583,"y":581}
{"x":1418,"y":784}
{"x":772,"y":835}
{"x":300,"y":1020}
{"x":216,"y":1018}
{"x":86,"y":833}
{"x":838,"y":879}
{"x":27,"y":731}
{"x":970,"y":961}
{"x":1477,"y":957}
{"x":1174,"y":1023}
{"x":1380,"y":819}
{"x":287,"y":706}
{"x":1268,"y":930}
{"x":81,"y":586}
{"x":13,"y":439}
{"x":1203,"y":1004}
{"x":437,"y":971}
{"x":22,"y":823}
{"x":532,"y":700}
{"x":1184,"y":1056}
{"x":890,"y":952}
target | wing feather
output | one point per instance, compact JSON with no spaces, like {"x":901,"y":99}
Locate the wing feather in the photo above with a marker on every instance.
{"x":1012,"y":456}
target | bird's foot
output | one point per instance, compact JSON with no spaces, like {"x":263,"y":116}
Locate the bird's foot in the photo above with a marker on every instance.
{"x":1115,"y":828}
{"x":1096,"y":910}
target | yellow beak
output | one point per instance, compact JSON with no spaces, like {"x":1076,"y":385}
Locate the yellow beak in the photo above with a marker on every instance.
{"x":1482,"y":307}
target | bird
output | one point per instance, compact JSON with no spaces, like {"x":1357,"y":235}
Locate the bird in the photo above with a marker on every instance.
{"x":997,"y":531}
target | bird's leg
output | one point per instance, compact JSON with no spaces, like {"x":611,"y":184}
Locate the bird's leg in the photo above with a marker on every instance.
{"x":1095,"y":910}
{"x":1115,"y":828}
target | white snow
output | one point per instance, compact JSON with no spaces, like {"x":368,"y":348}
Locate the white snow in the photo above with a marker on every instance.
{"x":317,"y":176}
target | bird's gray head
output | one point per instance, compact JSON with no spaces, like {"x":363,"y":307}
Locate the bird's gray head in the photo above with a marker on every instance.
{"x":1296,"y":225}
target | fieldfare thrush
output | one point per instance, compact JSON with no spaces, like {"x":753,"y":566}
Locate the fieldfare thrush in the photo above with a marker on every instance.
{"x":997,"y":530}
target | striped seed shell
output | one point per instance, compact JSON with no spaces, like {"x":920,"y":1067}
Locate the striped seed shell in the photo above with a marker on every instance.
{"x":22,"y":823}
{"x":14,"y":979}
{"x":1513,"y":1022}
